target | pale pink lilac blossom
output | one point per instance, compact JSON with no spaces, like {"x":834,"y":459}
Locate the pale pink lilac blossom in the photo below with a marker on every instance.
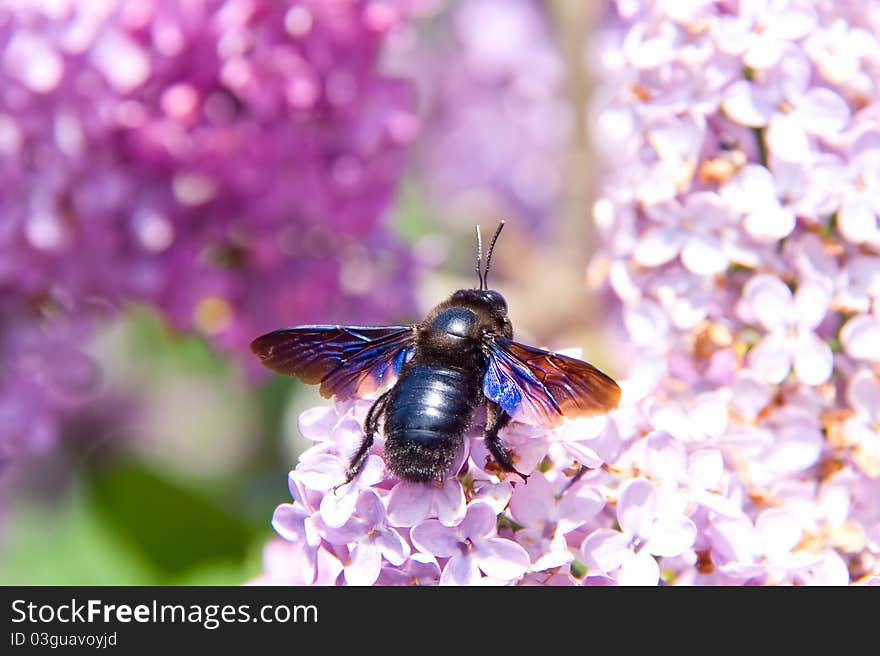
{"x":759,"y":401}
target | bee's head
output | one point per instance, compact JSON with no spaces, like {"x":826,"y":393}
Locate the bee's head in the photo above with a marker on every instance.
{"x":485,"y":299}
{"x":471,"y":312}
{"x":489,"y":305}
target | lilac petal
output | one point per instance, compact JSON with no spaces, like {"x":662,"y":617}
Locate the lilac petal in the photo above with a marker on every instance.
{"x":322,"y":472}
{"x":297,"y":490}
{"x":641,"y":569}
{"x":370,"y":508}
{"x":666,"y":457}
{"x":860,"y":337}
{"x":811,"y":303}
{"x":770,"y":223}
{"x":813,"y":360}
{"x":863,"y":393}
{"x":787,"y":139}
{"x":741,"y":570}
{"x":577,"y":507}
{"x":750,"y":190}
{"x":832,"y":570}
{"x":497,"y":495}
{"x":792,"y":77}
{"x":348,"y":436}
{"x":316,"y":424}
{"x":771,"y":301}
{"x":372,"y":472}
{"x":450,"y":502}
{"x":408,"y":504}
{"x":287,"y":520}
{"x":309,"y":564}
{"x":746,"y":105}
{"x":705,"y":469}
{"x":671,"y":537}
{"x":532,"y":504}
{"x":366,"y":563}
{"x":778,"y":531}
{"x":598,"y":580}
{"x":584,"y":454}
{"x":311,"y":529}
{"x":425,"y":560}
{"x":719,"y":504}
{"x":460,"y":570}
{"x":392,"y":546}
{"x":501,"y":559}
{"x":764,"y":52}
{"x":338,"y":506}
{"x":605,"y":549}
{"x":771,"y":358}
{"x":636,"y":506}
{"x":734,"y":539}
{"x":797,"y":447}
{"x":432,"y":537}
{"x":646,"y":322}
{"x":704,"y":256}
{"x":555,"y":554}
{"x":479,"y":521}
{"x":749,"y":395}
{"x":658,"y":246}
{"x":858,"y":221}
{"x":822,"y":112}
{"x":791,"y":21}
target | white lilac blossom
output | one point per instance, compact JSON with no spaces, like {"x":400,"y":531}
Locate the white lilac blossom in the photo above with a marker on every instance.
{"x":761,"y":396}
{"x":227,"y":162}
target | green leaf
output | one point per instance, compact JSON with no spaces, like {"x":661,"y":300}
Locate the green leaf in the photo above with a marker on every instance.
{"x":172,"y":527}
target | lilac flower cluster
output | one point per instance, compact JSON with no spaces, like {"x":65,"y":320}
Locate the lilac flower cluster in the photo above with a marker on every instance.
{"x":738,"y":218}
{"x":493,"y":104}
{"x":479,"y":527}
{"x":741,"y":240}
{"x":226,"y":161}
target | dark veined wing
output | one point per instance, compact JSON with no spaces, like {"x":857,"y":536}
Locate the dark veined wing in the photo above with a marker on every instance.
{"x":343,"y":359}
{"x":539,"y":387}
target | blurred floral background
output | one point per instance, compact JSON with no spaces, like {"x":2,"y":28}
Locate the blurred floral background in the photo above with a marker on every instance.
{"x":691,"y":192}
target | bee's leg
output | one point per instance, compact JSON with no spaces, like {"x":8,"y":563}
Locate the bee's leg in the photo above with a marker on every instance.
{"x":371,"y":427}
{"x":496,"y":419}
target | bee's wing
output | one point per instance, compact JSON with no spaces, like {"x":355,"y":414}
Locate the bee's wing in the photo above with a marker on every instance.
{"x":539,"y":387}
{"x":340,"y":358}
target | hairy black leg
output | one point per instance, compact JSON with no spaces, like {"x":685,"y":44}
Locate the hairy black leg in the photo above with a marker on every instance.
{"x":371,"y":427}
{"x":496,"y":419}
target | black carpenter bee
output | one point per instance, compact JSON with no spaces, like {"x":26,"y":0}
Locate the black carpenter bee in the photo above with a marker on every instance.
{"x":461,"y":357}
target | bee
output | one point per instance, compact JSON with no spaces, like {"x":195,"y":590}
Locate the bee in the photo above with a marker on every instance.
{"x":461,"y":357}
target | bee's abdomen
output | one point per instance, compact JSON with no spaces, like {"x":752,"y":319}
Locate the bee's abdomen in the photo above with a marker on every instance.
{"x":427,"y":415}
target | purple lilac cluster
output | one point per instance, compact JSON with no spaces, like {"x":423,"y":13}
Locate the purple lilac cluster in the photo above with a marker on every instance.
{"x":228,"y":162}
{"x":738,"y":217}
{"x":493,"y":104}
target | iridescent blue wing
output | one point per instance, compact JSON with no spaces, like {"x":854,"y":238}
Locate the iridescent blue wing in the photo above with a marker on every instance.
{"x":343,"y":359}
{"x":539,"y":387}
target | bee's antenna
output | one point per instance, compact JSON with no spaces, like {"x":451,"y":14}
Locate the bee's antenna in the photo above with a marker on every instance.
{"x":479,"y":266}
{"x":485,"y":276}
